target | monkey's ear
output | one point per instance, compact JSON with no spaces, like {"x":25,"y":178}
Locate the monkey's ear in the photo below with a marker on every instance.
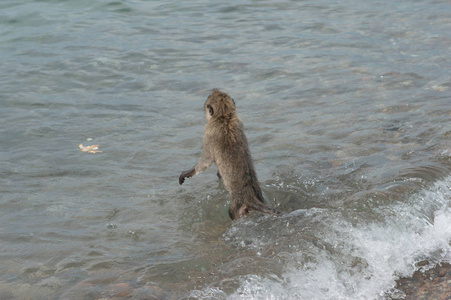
{"x":210,"y":110}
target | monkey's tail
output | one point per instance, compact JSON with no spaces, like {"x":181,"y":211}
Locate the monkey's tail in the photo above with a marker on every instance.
{"x":267,"y":210}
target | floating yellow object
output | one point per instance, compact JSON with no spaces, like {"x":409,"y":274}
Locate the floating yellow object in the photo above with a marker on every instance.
{"x":90,"y":149}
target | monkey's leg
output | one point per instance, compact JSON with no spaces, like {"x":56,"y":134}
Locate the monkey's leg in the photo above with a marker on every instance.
{"x":218,"y":174}
{"x":236,"y":208}
{"x":204,"y":162}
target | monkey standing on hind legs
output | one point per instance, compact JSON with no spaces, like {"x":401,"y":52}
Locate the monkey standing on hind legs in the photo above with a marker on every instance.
{"x":226,"y":145}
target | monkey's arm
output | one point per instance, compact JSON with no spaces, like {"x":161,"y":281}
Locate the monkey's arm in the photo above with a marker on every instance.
{"x":204,"y":162}
{"x":185,"y":174}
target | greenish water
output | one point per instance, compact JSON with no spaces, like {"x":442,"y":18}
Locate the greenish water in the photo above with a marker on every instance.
{"x":346,"y":106}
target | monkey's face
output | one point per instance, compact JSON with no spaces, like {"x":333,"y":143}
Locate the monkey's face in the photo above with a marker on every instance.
{"x":208,"y":114}
{"x":219,"y":104}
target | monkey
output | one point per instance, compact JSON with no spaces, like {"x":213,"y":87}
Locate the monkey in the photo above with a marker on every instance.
{"x":225,"y":144}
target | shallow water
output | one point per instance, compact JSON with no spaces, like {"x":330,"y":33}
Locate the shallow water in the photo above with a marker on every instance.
{"x":346,"y":107}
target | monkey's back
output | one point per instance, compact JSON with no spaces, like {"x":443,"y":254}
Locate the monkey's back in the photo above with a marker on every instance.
{"x":234,"y":161}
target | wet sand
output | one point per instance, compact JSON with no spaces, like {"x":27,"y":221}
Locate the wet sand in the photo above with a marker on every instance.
{"x":434,"y":284}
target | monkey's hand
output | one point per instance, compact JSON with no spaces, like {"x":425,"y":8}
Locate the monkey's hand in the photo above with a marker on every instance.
{"x":185,"y":174}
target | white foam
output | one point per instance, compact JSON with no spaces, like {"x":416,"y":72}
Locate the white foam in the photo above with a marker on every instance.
{"x":366,"y":258}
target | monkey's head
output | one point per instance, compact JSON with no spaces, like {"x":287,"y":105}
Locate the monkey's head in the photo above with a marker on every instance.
{"x":219,"y":105}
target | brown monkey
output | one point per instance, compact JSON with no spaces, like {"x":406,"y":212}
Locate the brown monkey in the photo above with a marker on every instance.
{"x":226,"y":145}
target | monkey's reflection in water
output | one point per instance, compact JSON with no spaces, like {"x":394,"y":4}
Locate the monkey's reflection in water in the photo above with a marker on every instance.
{"x":226,"y":145}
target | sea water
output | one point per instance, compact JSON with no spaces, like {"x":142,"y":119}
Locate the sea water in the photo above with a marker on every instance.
{"x":346,"y":106}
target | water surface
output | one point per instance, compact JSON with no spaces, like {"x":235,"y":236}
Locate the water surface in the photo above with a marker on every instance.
{"x":346,"y":107}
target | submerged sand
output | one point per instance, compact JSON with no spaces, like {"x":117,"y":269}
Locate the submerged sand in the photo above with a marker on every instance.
{"x":433,"y":284}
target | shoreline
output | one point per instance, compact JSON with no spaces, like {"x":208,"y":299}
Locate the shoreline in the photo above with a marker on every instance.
{"x":434,"y":283}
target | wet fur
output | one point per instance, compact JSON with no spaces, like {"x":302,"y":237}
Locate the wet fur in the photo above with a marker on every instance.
{"x":226,"y":145}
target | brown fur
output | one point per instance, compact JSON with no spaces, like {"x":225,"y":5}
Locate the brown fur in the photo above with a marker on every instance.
{"x":226,"y":145}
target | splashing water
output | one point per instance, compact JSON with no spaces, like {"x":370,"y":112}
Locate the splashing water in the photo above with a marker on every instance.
{"x":340,"y":255}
